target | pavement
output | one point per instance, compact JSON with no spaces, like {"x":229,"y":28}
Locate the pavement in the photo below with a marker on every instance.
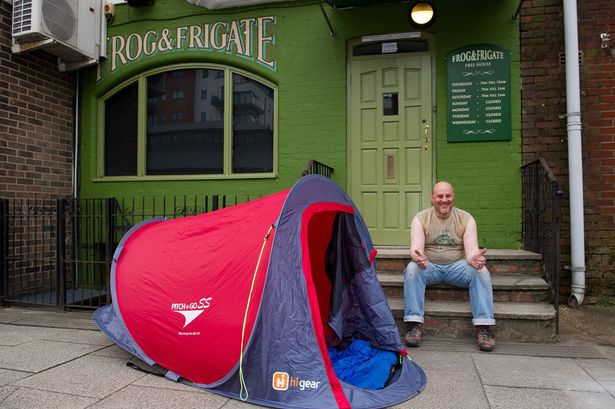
{"x":53,"y":359}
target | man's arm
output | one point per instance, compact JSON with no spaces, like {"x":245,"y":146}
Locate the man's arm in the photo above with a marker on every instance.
{"x":417,"y":243}
{"x":474,"y":256}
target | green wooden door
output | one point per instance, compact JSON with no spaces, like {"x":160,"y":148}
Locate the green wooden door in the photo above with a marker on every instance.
{"x":390,"y":141}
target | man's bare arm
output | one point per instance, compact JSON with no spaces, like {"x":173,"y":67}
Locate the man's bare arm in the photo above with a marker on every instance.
{"x":417,"y":243}
{"x":474,"y":256}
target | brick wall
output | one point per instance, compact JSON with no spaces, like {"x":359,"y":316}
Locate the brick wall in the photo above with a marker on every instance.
{"x":544,"y":127}
{"x":36,"y":121}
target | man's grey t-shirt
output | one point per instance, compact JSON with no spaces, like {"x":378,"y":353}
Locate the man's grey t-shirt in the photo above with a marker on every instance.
{"x":444,"y":238}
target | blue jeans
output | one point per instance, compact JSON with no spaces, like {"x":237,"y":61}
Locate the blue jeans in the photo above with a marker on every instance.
{"x":459,"y":274}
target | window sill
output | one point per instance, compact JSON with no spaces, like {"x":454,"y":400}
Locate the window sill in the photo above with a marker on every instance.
{"x":162,"y":178}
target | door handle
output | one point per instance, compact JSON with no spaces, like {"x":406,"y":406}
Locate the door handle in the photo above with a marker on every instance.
{"x":426,"y":137}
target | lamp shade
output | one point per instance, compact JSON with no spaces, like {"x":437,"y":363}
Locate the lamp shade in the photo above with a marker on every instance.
{"x":422,"y":14}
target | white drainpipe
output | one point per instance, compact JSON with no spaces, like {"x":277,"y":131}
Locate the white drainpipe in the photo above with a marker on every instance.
{"x":575,"y":151}
{"x":76,"y":141}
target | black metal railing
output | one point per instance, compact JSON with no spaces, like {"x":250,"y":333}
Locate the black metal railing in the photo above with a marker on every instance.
{"x":29,"y":251}
{"x":316,"y":168}
{"x":59,"y":252}
{"x":541,"y":221}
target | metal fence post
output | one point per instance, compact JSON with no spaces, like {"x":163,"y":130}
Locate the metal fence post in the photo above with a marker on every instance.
{"x":60,"y":248}
{"x":109,"y":245}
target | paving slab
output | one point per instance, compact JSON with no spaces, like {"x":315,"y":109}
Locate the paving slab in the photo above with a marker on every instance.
{"x":161,"y":398}
{"x":7,"y":376}
{"x":5,"y":392}
{"x":154,"y":381}
{"x":39,"y":355}
{"x":514,"y":398}
{"x":81,"y":337}
{"x":599,"y":369}
{"x":534,"y":372}
{"x":11,"y":335}
{"x":48,"y":318}
{"x":602,"y":370}
{"x":607,"y":351}
{"x":557,"y":350}
{"x":448,"y":390}
{"x":449,"y":362}
{"x":159,"y":382}
{"x":91,"y":376}
{"x":609,"y":386}
{"x":113,"y":351}
{"x":32,"y":398}
{"x":452,"y":381}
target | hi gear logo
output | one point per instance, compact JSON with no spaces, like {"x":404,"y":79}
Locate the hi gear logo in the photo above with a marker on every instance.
{"x":191,"y":310}
{"x":281,"y":381}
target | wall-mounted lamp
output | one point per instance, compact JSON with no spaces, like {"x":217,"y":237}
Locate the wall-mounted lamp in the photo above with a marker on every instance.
{"x":109,"y":10}
{"x":422,"y":14}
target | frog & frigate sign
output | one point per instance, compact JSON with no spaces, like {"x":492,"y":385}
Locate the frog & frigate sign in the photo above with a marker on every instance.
{"x":478,"y":81}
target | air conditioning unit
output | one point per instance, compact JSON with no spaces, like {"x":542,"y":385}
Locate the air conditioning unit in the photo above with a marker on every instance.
{"x":73,"y":30}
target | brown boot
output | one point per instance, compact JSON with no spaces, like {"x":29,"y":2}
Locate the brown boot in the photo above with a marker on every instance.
{"x":485,"y":338}
{"x":414,"y":334}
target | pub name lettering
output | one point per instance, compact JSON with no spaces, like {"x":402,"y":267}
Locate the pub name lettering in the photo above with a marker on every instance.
{"x":477,"y":58}
{"x":249,"y":37}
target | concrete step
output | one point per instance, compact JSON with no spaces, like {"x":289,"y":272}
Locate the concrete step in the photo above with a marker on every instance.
{"x":512,"y":288}
{"x":521,"y":297}
{"x":518,"y":322}
{"x":391,"y":259}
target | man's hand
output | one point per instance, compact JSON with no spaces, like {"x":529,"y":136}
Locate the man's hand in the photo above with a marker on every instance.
{"x":478,"y":260}
{"x":420,"y":259}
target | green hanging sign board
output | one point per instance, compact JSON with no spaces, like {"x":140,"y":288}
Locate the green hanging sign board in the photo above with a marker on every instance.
{"x":478,"y":92}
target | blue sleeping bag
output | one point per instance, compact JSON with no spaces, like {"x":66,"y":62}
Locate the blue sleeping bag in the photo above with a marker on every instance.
{"x":361,"y":365}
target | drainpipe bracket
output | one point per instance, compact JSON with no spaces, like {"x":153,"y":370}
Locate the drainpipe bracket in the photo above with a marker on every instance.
{"x":568,"y":114}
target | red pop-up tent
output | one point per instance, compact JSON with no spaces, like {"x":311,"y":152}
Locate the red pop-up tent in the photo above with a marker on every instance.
{"x":248,"y":301}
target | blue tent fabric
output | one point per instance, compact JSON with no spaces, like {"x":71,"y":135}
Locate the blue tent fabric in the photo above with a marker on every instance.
{"x":356,"y":313}
{"x":361,"y":365}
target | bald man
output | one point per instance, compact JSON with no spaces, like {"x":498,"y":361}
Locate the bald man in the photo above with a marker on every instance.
{"x":444,"y":249}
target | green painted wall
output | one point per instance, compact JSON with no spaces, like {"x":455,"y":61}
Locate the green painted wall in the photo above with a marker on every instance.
{"x":311,"y":79}
{"x":486,"y":175}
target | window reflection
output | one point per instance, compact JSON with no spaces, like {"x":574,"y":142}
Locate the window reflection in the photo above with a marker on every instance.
{"x":185,"y":125}
{"x":121,"y":123}
{"x":252,"y":126}
{"x":390,"y":104}
{"x":185,"y":132}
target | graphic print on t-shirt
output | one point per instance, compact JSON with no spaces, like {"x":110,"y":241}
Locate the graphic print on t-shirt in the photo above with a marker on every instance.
{"x":444,"y":239}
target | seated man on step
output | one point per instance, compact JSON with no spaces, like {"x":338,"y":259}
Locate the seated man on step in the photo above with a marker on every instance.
{"x":444,"y":249}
